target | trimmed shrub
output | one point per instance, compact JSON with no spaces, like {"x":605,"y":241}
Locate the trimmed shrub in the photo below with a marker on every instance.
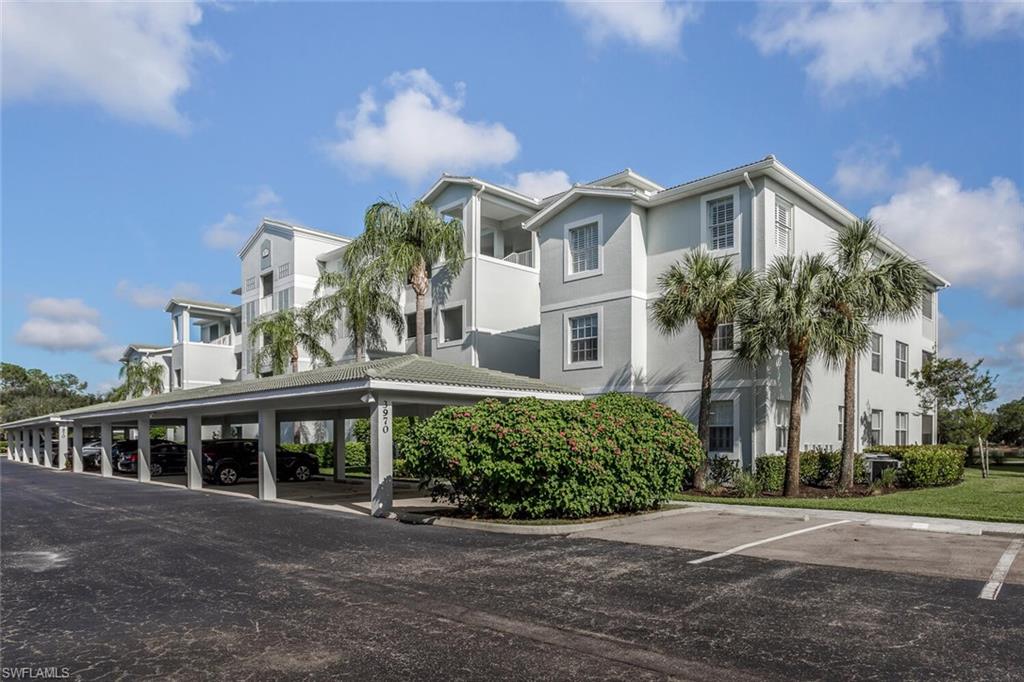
{"x":355,"y":452}
{"x":926,"y":465}
{"x":530,"y":458}
{"x":722,"y":469}
{"x":745,"y":485}
{"x":816,"y":468}
{"x":770,"y":472}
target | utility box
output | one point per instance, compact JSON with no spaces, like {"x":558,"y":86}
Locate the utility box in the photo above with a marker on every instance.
{"x":875,"y":463}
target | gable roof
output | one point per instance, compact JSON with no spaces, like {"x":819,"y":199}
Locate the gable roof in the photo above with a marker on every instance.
{"x":476,"y":183}
{"x":292,"y":228}
{"x":209,"y":306}
{"x":627,"y":176}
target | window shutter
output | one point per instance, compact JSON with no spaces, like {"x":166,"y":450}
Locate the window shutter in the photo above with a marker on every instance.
{"x":783,"y":223}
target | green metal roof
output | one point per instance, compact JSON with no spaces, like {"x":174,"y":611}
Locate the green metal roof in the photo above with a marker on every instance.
{"x":401,"y":369}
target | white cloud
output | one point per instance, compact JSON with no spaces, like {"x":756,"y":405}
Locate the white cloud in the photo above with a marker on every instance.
{"x":854,"y":44}
{"x":265,"y":197}
{"x":151,"y":296}
{"x":132,"y":58}
{"x":973,"y":237}
{"x":230,"y":231}
{"x":864,"y":169}
{"x":989,"y":19}
{"x":62,"y":309}
{"x":60,"y":335}
{"x":540,"y":184}
{"x":650,"y":25}
{"x":109,"y":354}
{"x":224,"y":234}
{"x":418,"y":132}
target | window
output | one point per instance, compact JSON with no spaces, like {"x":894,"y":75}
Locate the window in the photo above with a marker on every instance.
{"x":250,"y":283}
{"x":451,"y":324}
{"x":720,"y":223}
{"x":927,"y":437}
{"x":721,"y":426}
{"x":876,"y":353}
{"x":250,"y":312}
{"x":268,"y":284}
{"x":284,"y":270}
{"x":214,"y":331}
{"x":238,"y":361}
{"x":902,"y":355}
{"x":284,"y":299}
{"x":926,"y":357}
{"x":410,"y":325}
{"x":783,"y":223}
{"x":876,"y":428}
{"x":781,"y":425}
{"x":926,"y":305}
{"x":902,"y":427}
{"x":842,"y":423}
{"x":177,"y":378}
{"x":723,"y":338}
{"x":583,"y":338}
{"x":583,"y":248}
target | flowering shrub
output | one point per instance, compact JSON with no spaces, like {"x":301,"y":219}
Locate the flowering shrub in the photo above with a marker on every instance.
{"x":530,"y":458}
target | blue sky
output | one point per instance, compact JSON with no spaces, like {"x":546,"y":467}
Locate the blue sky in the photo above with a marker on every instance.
{"x":137,"y":155}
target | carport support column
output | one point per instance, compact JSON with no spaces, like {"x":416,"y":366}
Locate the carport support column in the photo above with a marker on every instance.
{"x":194,"y":456}
{"x":48,"y":446}
{"x":106,"y":449}
{"x":143,"y":460}
{"x":76,"y":448}
{"x":339,"y":449}
{"x":381,"y":466}
{"x":62,"y":447}
{"x":267,"y":455}
{"x":33,"y":439}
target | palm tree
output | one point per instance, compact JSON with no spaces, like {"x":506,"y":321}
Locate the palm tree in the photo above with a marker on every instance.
{"x":789,"y":311}
{"x":705,"y":290}
{"x":286,"y":332}
{"x":362,"y":296}
{"x":138,"y":379}
{"x":866,"y":289}
{"x":408,"y":242}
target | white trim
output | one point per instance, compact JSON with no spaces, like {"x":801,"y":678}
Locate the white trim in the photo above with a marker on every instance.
{"x":720,"y":354}
{"x":732,"y":396}
{"x":737,"y":221}
{"x":568,"y":366}
{"x":598,"y":298}
{"x":571,"y":196}
{"x":567,"y":274}
{"x":448,"y":305}
{"x":491,"y":259}
{"x":509,"y":334}
{"x":444,"y":389}
{"x":282,"y":226}
{"x":478,"y":184}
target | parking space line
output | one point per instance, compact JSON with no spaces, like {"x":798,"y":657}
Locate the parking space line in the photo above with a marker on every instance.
{"x":995,"y":581}
{"x":790,"y":534}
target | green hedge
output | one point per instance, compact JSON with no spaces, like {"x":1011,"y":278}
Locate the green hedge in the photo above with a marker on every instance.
{"x":816,"y":468}
{"x":926,"y":465}
{"x":531,"y":458}
{"x":355,"y":452}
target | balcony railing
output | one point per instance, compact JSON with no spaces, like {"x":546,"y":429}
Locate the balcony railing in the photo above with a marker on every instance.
{"x":267,"y":304}
{"x":520,"y":258}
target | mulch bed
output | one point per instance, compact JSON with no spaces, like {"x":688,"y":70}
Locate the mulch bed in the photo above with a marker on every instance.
{"x":806,"y":491}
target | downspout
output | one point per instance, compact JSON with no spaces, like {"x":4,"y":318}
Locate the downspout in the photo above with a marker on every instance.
{"x":757,"y":386}
{"x":474,"y":353}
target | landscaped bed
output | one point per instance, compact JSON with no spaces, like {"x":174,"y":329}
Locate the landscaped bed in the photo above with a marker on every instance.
{"x":998,"y":498}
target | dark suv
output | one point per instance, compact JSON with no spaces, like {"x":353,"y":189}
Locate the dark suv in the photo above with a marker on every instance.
{"x":226,"y":461}
{"x":124,"y":454}
{"x":165,"y":457}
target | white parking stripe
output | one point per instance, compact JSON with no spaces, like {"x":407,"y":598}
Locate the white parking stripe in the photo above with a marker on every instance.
{"x":995,"y":581}
{"x":740,"y":548}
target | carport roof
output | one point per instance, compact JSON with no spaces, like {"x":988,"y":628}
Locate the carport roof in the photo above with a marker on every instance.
{"x":388,"y":373}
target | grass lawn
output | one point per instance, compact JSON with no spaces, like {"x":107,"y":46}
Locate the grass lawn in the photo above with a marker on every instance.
{"x":1000,"y":498}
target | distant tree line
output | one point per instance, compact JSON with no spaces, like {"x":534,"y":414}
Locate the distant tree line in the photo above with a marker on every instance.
{"x":31,"y":392}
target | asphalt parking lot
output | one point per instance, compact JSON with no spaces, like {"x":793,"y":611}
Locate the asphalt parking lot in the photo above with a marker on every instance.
{"x":113,"y":579}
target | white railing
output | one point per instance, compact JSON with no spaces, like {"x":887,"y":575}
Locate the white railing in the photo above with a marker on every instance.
{"x":520,"y":258}
{"x":267,"y":304}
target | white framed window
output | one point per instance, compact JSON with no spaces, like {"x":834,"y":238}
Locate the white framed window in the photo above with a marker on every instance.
{"x":250,"y":283}
{"x":783,"y":224}
{"x":721,"y":434}
{"x":583,"y":251}
{"x":724,"y":339}
{"x":902,"y":359}
{"x":284,"y":270}
{"x":902,"y":427}
{"x":583,"y":339}
{"x":927,"y":305}
{"x":876,"y":353}
{"x":453,"y":324}
{"x":781,"y":425}
{"x":410,"y":325}
{"x":927,"y":433}
{"x":842,"y":423}
{"x":875,"y":435}
{"x":284,"y":299}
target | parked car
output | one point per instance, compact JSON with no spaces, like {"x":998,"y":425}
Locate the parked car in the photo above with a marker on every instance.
{"x":165,"y":457}
{"x":122,"y":449}
{"x":91,"y":454}
{"x":226,"y":461}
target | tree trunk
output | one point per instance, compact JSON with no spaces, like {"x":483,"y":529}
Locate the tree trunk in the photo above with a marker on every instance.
{"x":704,"y":418}
{"x":360,"y":344}
{"x":849,"y":423}
{"x":797,"y":366}
{"x":984,"y":458}
{"x":419,"y":286}
{"x":295,"y":359}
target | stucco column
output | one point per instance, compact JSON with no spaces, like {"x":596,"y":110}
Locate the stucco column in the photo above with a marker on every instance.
{"x":33,"y":441}
{"x":194,"y":456}
{"x":62,"y":447}
{"x":339,"y":449}
{"x":225,"y":427}
{"x":19,"y":445}
{"x":267,"y":487}
{"x":77,"y":441}
{"x":142,"y":464}
{"x":48,"y":447}
{"x":106,"y":449}
{"x":381,"y":425}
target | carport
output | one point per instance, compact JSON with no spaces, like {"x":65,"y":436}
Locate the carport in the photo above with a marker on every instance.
{"x":379,"y":389}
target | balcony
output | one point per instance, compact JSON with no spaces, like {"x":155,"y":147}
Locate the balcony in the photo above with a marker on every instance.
{"x":267,"y":304}
{"x":520,"y":258}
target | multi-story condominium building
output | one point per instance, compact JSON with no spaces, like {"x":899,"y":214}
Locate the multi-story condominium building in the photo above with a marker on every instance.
{"x":560,"y":288}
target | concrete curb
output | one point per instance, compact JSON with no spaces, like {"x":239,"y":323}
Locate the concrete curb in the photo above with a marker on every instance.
{"x":929,"y":524}
{"x":417,"y":518}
